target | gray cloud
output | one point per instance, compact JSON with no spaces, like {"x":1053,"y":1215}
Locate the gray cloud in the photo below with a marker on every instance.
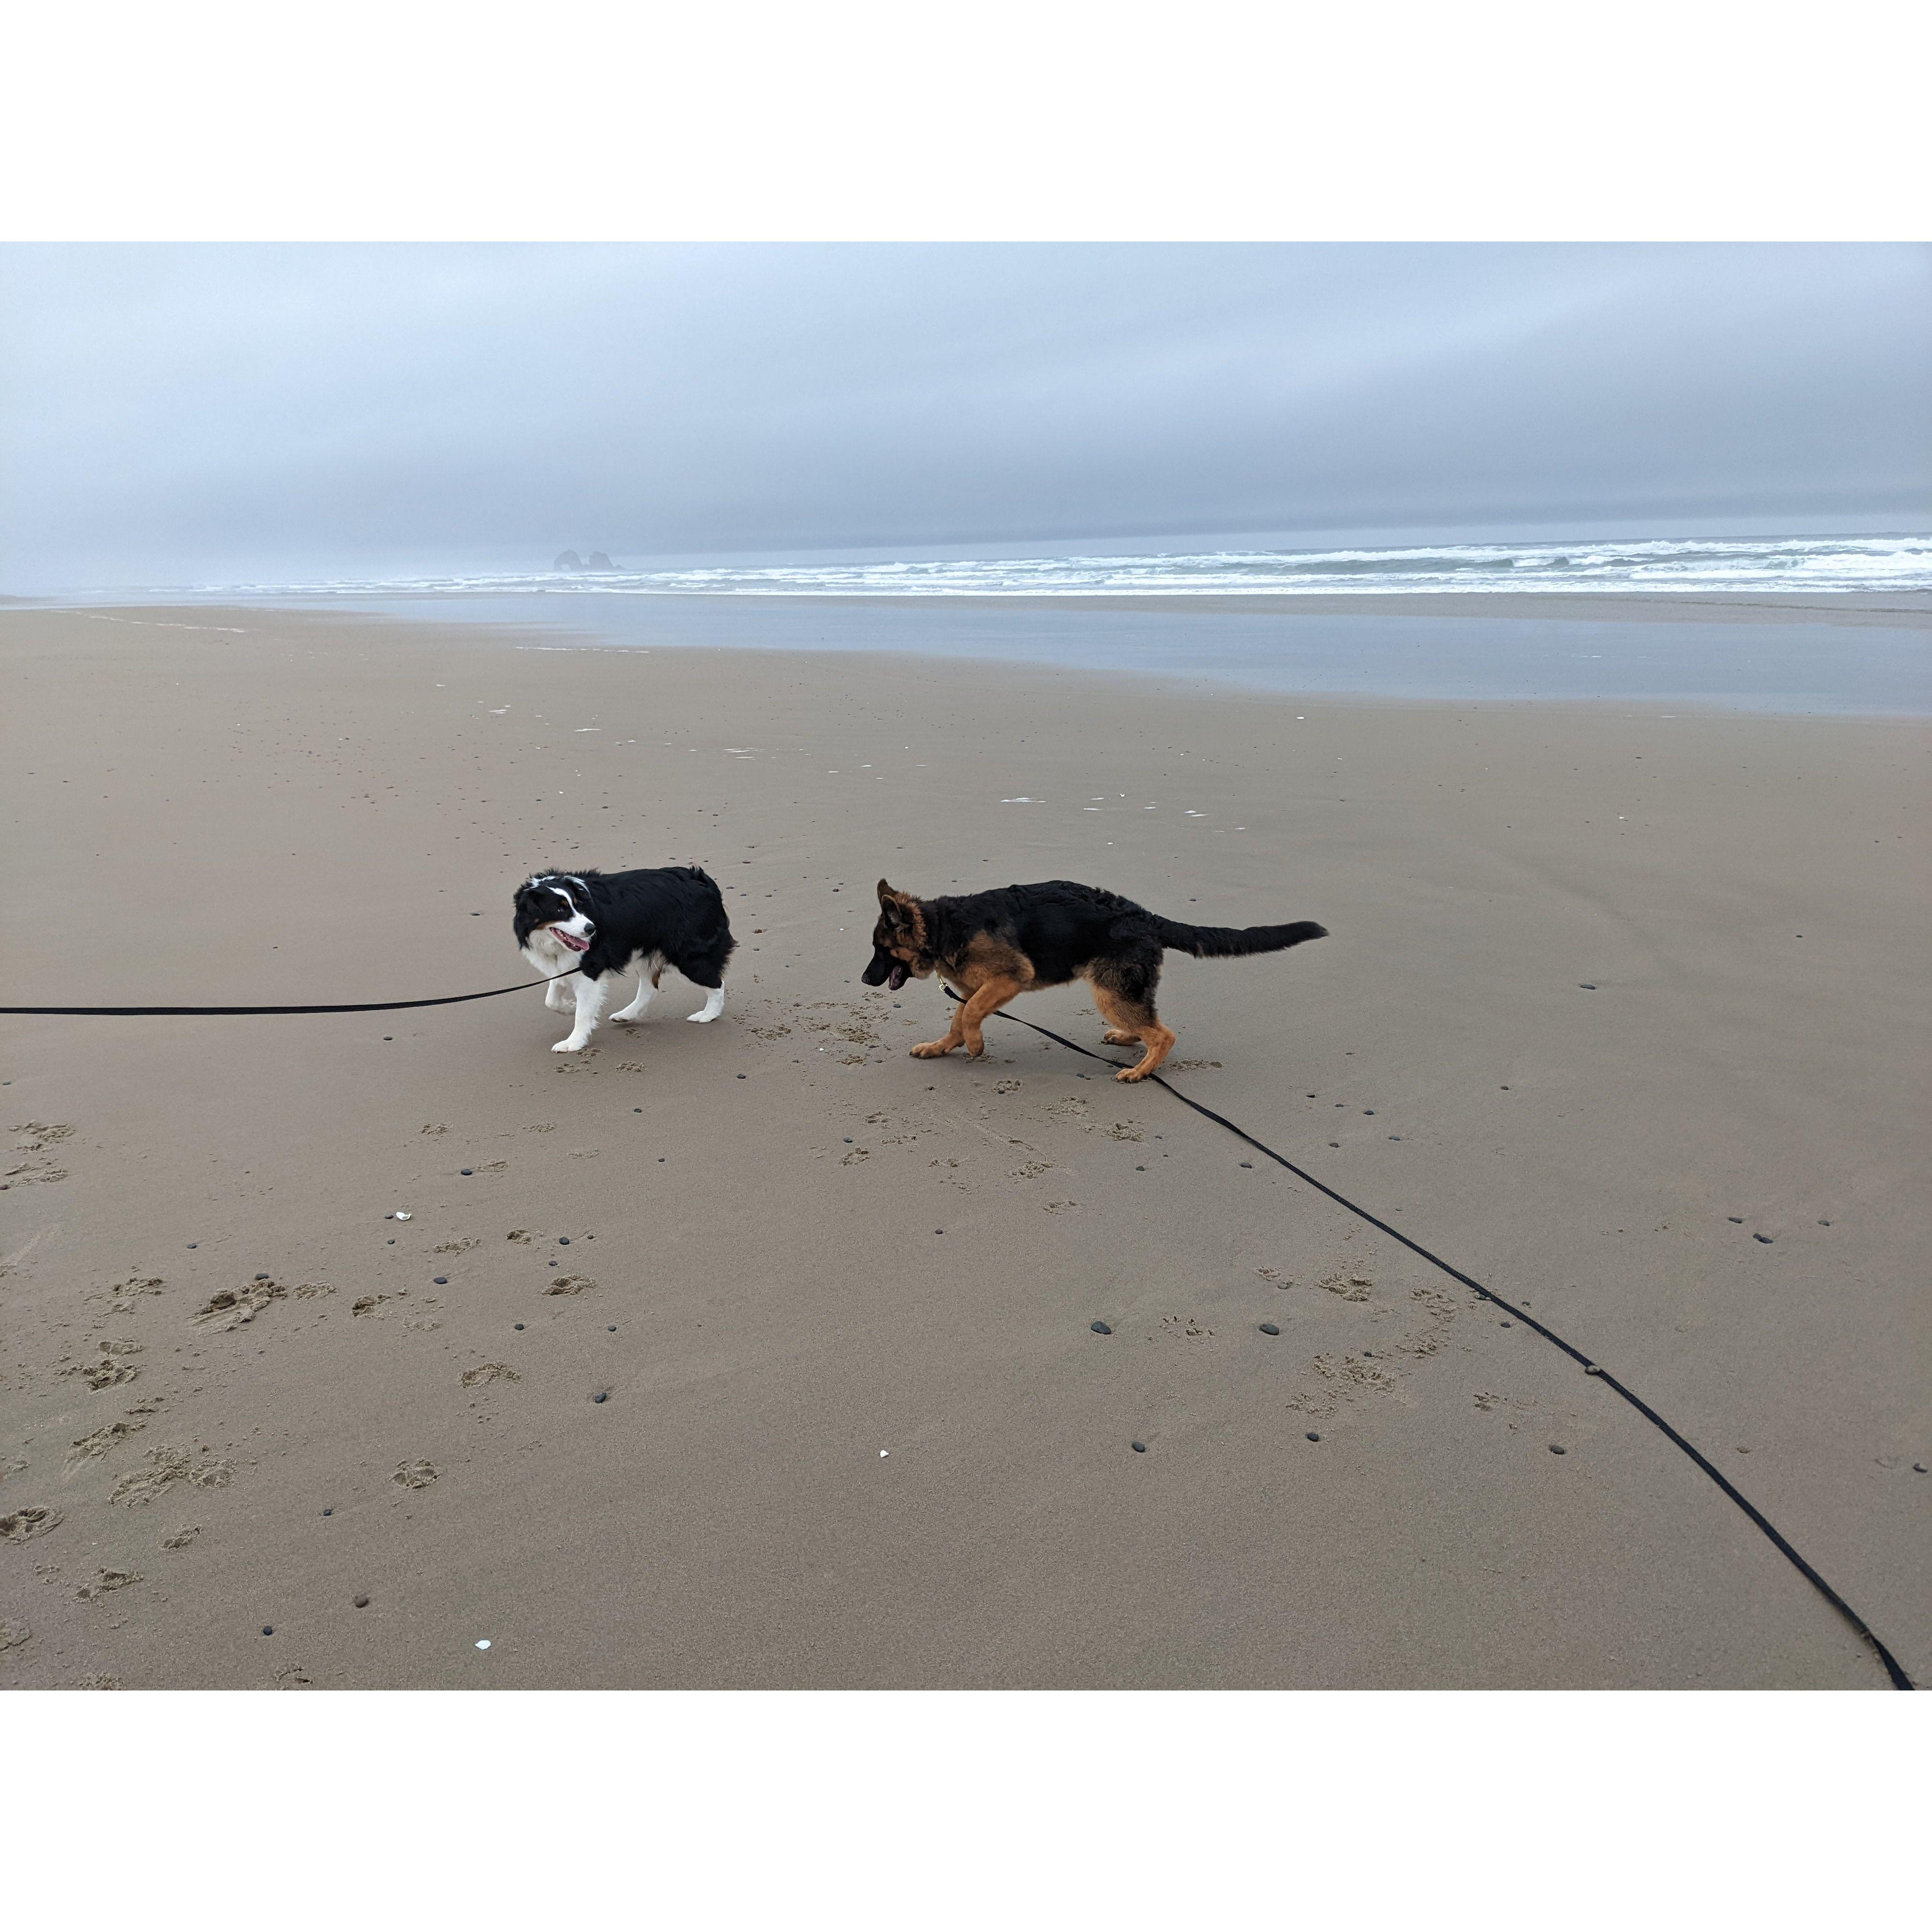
{"x":172,"y":413}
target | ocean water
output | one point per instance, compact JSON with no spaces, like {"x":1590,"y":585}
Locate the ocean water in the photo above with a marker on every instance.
{"x":1782,"y":565}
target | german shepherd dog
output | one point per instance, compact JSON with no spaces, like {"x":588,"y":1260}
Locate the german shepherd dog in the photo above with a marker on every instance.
{"x":991,"y":945}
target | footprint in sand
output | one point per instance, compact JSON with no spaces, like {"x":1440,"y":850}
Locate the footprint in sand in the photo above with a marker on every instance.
{"x":167,"y":1466}
{"x":107,"y":1580}
{"x":416,"y":1475}
{"x":367,"y":1304}
{"x":1186,"y":1328}
{"x":1349,"y":1287}
{"x":123,"y":1294}
{"x":490,"y":1372}
{"x":13,"y":1635}
{"x":231,"y":1307}
{"x":108,"y":1372}
{"x":520,"y":1235}
{"x":85,"y":1448}
{"x":181,"y":1538}
{"x":24,"y":1525}
{"x":570,"y":1284}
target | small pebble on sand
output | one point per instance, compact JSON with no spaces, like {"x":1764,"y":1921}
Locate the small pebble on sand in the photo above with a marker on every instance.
{"x":1140,"y":1448}
{"x":601,"y":1396}
{"x":361,"y":1603}
{"x":1100,"y":1328}
{"x":1269,"y":1328}
{"x":1557,"y":1449}
{"x":1765,"y":1238}
{"x":1315,"y":1436}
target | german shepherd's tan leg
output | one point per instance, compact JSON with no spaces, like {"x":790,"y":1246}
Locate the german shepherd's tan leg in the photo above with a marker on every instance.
{"x":1130,"y":1020}
{"x":991,"y":994}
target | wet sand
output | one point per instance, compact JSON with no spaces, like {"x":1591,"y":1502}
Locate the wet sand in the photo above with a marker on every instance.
{"x":1867,"y":655}
{"x":1610,"y":996}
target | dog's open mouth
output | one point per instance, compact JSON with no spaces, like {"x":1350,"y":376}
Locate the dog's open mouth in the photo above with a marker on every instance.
{"x":896,"y":978}
{"x":570,"y":939}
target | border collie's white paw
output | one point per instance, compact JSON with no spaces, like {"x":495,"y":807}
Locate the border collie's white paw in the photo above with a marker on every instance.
{"x":701,"y":1019}
{"x":572,"y":1045}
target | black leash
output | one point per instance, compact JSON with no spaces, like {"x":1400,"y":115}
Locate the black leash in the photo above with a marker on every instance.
{"x":1900,"y":1680}
{"x":193,"y":1013}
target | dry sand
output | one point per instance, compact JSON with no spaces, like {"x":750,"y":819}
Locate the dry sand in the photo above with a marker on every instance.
{"x":1567,"y":1033}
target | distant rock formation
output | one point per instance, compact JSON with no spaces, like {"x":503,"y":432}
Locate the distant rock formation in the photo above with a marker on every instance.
{"x":599,"y":561}
{"x":567,"y":559}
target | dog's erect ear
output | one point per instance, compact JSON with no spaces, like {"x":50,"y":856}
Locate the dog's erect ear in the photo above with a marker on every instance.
{"x":886,"y":895}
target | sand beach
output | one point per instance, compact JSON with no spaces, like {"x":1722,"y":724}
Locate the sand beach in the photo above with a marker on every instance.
{"x":1622,"y":1013}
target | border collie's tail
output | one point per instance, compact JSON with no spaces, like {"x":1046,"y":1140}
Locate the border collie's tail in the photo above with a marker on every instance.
{"x":1236,"y":942}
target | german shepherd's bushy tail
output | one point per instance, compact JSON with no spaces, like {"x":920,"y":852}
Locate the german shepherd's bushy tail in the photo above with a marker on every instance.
{"x":1235,"y":942}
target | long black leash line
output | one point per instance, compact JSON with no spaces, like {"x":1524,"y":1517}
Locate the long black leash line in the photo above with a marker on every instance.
{"x":1900,"y":1681}
{"x":191,"y":1013}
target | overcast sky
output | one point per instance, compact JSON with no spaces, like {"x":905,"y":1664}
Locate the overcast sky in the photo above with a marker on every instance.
{"x":177,"y":414}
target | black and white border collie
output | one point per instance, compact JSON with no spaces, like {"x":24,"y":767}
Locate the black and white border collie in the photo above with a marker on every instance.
{"x":607,"y":924}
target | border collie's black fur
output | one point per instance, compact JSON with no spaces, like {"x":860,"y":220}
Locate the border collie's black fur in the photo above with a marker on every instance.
{"x":606,"y":924}
{"x":992,"y":945}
